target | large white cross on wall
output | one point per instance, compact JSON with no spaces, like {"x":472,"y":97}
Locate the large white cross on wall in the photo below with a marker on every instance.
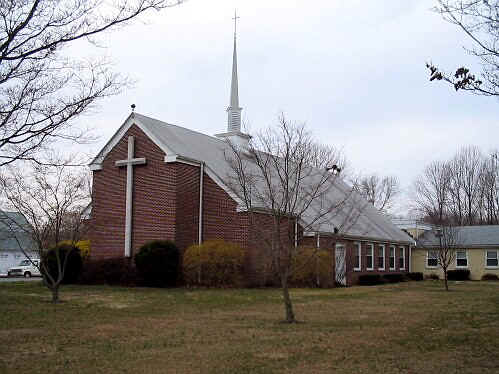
{"x":129,"y":163}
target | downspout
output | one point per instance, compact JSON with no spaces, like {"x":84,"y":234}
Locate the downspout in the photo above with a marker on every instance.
{"x":200,"y":227}
{"x":410,"y":258}
{"x":296,"y":232}
{"x":318,"y":281}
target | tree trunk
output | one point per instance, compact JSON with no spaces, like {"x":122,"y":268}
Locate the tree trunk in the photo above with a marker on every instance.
{"x":445,"y":280}
{"x":55,"y":294}
{"x":288,"y":306}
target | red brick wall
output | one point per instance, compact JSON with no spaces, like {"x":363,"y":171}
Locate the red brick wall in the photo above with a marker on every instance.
{"x":154,"y":205}
{"x":187,"y":217}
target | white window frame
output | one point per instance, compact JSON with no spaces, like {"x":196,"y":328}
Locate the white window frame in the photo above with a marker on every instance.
{"x":427,"y":257}
{"x":359,"y":253}
{"x":467,"y":260}
{"x":394,"y":257}
{"x":370,"y":249}
{"x":497,"y":257}
{"x":382,"y":247}
{"x":403,"y":257}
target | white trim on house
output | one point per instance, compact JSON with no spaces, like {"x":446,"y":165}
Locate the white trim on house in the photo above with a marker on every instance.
{"x":118,"y":135}
{"x":358,"y":245}
{"x":370,"y":248}
{"x":394,"y":258}
{"x":403,"y":257}
{"x":497,"y":259}
{"x":382,"y":247}
{"x":466,"y":257}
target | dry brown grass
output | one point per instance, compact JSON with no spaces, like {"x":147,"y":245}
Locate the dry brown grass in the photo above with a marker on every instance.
{"x":406,"y":328}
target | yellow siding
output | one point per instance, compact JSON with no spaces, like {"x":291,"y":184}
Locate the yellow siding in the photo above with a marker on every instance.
{"x":476,"y":264}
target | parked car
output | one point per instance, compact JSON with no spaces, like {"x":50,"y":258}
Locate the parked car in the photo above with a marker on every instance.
{"x":26,"y":268}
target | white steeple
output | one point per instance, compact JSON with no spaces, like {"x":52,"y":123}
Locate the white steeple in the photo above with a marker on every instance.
{"x":234,"y":133}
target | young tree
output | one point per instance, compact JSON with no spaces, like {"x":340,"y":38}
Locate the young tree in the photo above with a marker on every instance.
{"x":380,"y":192}
{"x":443,"y":243}
{"x":289,"y":184}
{"x":480,"y":22}
{"x":52,"y":200}
{"x":41,"y":88}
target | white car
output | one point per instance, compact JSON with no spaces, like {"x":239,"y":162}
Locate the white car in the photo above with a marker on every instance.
{"x":25,"y":269}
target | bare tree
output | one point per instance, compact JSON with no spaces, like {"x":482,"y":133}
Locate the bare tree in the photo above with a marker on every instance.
{"x":432,"y":192}
{"x":52,"y":200}
{"x":380,"y":192}
{"x":41,"y":89}
{"x":442,"y":245}
{"x":479,"y":20}
{"x":289,"y":184}
{"x":461,"y":191}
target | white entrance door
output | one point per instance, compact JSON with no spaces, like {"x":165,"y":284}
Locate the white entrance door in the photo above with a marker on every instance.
{"x":340,"y":265}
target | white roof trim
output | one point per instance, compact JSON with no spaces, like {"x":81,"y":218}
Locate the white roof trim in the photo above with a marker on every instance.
{"x":118,"y":135}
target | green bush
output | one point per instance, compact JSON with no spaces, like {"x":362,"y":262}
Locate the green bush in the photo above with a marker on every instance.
{"x":394,"y":277}
{"x":416,"y":276}
{"x":158,"y":263}
{"x":311,"y":268}
{"x":370,"y":279}
{"x":73,"y":258}
{"x":458,"y":275}
{"x":113,"y":271}
{"x":490,"y":277}
{"x":214,"y":263}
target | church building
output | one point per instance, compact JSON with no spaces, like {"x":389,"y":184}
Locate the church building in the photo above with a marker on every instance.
{"x":158,"y":181}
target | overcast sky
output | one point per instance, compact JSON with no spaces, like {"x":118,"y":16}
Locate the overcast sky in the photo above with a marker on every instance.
{"x":352,"y":70}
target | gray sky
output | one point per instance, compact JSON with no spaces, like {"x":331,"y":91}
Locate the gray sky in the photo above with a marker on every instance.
{"x":352,"y":70}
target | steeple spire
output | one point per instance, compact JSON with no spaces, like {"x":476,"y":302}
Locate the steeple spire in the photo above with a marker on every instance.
{"x":234,"y":110}
{"x":234,"y":134}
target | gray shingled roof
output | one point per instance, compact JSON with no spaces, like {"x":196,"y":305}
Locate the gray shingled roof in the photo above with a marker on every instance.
{"x":197,"y":146}
{"x":11,"y":235}
{"x":468,"y":237}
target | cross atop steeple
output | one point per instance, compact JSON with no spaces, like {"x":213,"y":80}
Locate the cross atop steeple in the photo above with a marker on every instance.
{"x":235,"y":22}
{"x":234,"y":133}
{"x":234,"y":111}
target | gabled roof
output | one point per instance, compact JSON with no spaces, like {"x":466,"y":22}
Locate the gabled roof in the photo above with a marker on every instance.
{"x":184,"y":145}
{"x":13,"y":233}
{"x":468,"y":237}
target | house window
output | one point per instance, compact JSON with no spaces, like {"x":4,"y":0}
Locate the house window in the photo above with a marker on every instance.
{"x":369,"y":257}
{"x":381,"y":257}
{"x":461,"y":259}
{"x":492,"y":259}
{"x":357,"y":257}
{"x":402,"y":258}
{"x":392,"y":258}
{"x":432,"y":259}
{"x":4,"y":255}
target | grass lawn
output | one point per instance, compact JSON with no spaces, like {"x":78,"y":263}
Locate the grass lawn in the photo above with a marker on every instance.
{"x":411,"y":327}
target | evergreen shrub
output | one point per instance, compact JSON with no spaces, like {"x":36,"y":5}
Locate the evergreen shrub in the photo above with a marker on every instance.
{"x":458,"y":275}
{"x":490,"y":277}
{"x":158,"y":263}
{"x":394,"y":277}
{"x":65,"y":252}
{"x":370,"y":279}
{"x":415,"y":276}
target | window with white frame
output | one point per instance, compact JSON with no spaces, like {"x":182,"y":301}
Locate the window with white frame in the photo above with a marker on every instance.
{"x":369,"y":257}
{"x":431,"y":259}
{"x":357,"y":265}
{"x":392,"y":258}
{"x":461,"y":259}
{"x":492,"y":259}
{"x":402,"y":258}
{"x":381,"y":257}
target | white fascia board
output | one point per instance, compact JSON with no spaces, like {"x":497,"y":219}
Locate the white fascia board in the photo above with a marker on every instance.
{"x":118,"y":135}
{"x":95,"y":167}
